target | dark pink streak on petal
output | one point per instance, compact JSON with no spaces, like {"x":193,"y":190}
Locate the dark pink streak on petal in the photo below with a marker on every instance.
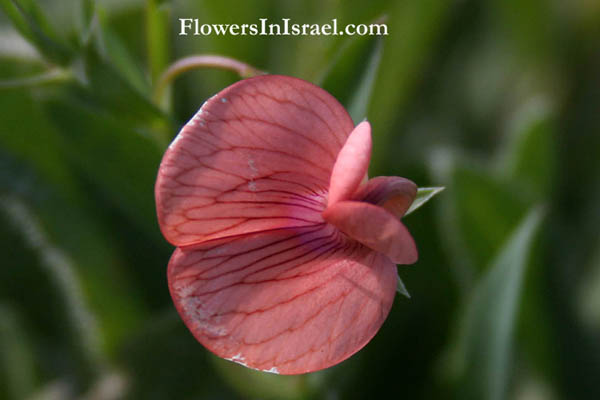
{"x":374,"y":227}
{"x":288,"y":301}
{"x":257,"y":156}
{"x":393,"y":193}
{"x":351,"y":165}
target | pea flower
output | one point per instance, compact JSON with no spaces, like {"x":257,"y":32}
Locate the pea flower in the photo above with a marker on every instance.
{"x":286,"y":253}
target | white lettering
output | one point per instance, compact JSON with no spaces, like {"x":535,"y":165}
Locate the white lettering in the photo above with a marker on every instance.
{"x":185,"y":24}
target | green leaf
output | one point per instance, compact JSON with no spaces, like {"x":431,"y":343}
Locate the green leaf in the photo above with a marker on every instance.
{"x":424,"y":194}
{"x":486,"y":209}
{"x":32,"y":11}
{"x":112,"y":48}
{"x":30,"y":21}
{"x":77,"y":255}
{"x":528,"y":160}
{"x":120,"y":161}
{"x":18,"y":19}
{"x":416,"y":30}
{"x":35,"y":169}
{"x":87,"y":11}
{"x":157,"y":34}
{"x":110,"y":92}
{"x":401,"y":288}
{"x":106,"y":85}
{"x":351,"y":75}
{"x":27,"y":135}
{"x":17,"y":372}
{"x":487,"y":331}
{"x":480,"y":209}
{"x":359,"y":102}
{"x":588,"y":298}
{"x":60,"y":268}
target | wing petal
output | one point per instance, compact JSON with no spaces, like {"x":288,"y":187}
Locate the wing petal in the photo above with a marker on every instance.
{"x":374,"y":227}
{"x":257,"y":156}
{"x":288,"y":301}
{"x":393,"y":193}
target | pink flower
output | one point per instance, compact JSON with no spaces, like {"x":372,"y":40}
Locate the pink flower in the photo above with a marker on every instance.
{"x":286,"y":254}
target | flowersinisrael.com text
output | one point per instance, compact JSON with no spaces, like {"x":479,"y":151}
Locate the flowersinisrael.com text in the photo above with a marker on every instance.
{"x":192,"y":26}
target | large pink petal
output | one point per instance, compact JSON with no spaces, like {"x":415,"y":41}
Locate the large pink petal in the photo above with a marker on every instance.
{"x":257,"y":156}
{"x":393,"y":193}
{"x":288,"y":301}
{"x":374,"y":227}
{"x":351,"y":165}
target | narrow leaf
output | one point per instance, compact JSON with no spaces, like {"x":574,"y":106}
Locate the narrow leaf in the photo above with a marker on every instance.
{"x":18,"y":19}
{"x":33,"y":12}
{"x":423,"y":196}
{"x":36,"y":175}
{"x":118,"y":160}
{"x":588,"y":299}
{"x":16,"y":356}
{"x":402,"y":288}
{"x":60,"y":269}
{"x":157,"y":33}
{"x":529,"y":157}
{"x":27,"y":135}
{"x":112,"y":48}
{"x":29,"y":20}
{"x":487,"y":332}
{"x":358,"y":105}
{"x":415,"y":31}
{"x":87,"y":11}
{"x":480,"y":210}
{"x":351,"y":75}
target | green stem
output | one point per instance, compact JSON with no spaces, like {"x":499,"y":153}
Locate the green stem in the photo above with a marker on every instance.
{"x":201,"y":61}
{"x":53,"y":76}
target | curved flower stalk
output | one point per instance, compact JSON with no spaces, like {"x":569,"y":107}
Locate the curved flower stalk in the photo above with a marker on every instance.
{"x":286,"y":254}
{"x":201,"y":61}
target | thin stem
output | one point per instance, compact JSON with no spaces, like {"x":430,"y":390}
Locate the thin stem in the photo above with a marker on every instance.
{"x":202,"y":61}
{"x":157,"y":37}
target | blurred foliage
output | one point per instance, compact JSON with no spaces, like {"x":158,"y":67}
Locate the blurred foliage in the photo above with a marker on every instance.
{"x":498,"y":101}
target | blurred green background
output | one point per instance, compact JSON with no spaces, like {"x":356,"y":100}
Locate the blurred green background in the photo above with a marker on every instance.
{"x":498,"y":101}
